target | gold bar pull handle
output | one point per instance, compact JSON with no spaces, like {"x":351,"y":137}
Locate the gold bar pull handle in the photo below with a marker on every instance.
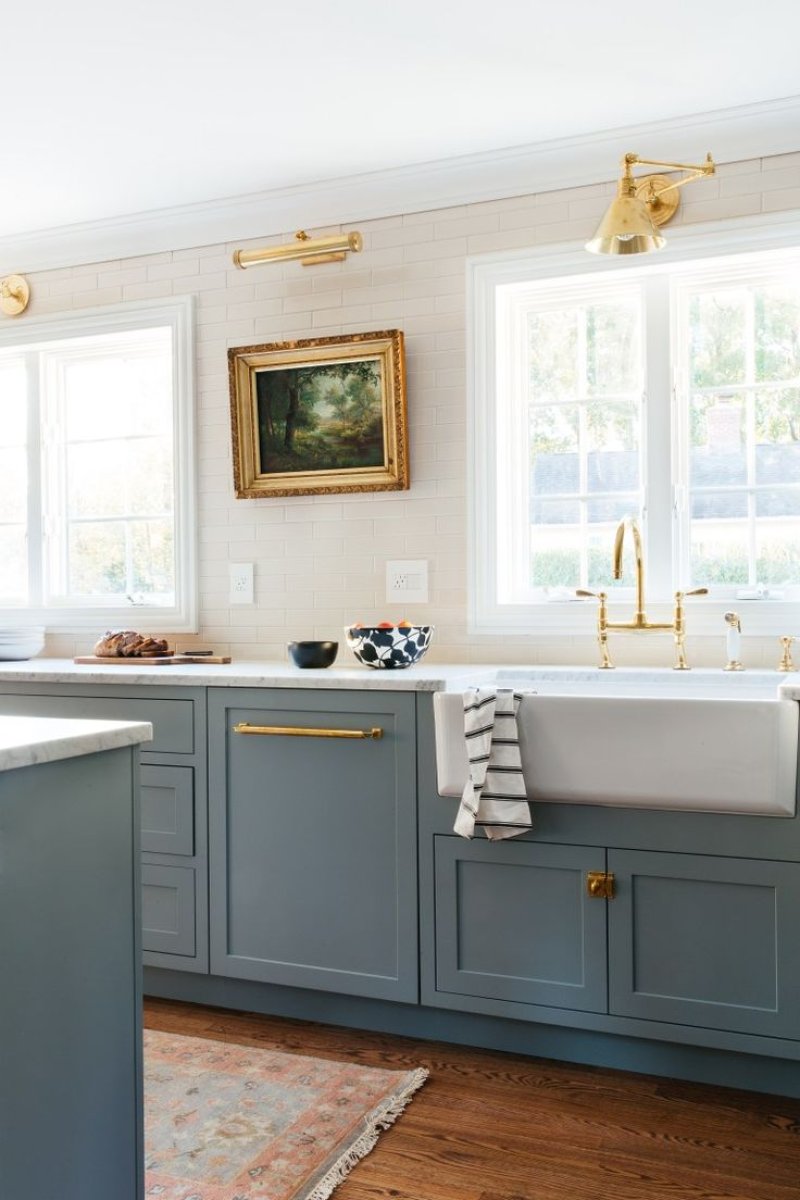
{"x":600,"y":885}
{"x":303,"y":731}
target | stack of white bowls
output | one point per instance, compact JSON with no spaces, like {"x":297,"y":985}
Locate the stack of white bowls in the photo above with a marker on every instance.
{"x":20,"y":643}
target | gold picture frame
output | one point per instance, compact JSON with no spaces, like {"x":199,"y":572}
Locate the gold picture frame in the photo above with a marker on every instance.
{"x":319,"y":415}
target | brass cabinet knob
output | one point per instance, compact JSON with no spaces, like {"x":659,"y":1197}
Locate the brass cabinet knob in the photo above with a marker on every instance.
{"x":600,"y":885}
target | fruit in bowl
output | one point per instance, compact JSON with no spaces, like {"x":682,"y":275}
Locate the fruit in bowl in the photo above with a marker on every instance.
{"x":388,"y":646}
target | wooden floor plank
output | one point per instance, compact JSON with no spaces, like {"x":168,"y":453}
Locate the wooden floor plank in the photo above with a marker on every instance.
{"x":493,"y":1126}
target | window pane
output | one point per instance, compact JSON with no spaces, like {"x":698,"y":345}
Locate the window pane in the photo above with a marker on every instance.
{"x":777,"y":422}
{"x":722,"y":505}
{"x":553,"y":354}
{"x":556,"y":556}
{"x":97,"y":559}
{"x":96,"y":478}
{"x":778,"y":502}
{"x":613,"y":447}
{"x":717,"y":337}
{"x":13,"y":485}
{"x":555,"y":512}
{"x":13,"y":403}
{"x":778,"y":552}
{"x":612,"y":348}
{"x":777,"y":332}
{"x":126,"y":390}
{"x":719,"y":542}
{"x":152,"y":553}
{"x":14,"y":556}
{"x":13,"y":481}
{"x":150,"y":476}
{"x":554,"y":450}
{"x":718,"y":453}
{"x":611,"y":508}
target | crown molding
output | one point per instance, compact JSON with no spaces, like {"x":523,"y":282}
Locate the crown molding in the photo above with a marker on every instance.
{"x":734,"y":134}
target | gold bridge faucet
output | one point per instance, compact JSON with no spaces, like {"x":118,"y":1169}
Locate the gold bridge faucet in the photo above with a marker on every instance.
{"x":677,"y":626}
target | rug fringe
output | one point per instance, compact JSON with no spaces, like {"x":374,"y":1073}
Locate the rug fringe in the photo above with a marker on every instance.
{"x":381,"y":1117}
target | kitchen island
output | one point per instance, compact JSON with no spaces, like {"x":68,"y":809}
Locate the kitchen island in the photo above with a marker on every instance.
{"x":70,"y":991}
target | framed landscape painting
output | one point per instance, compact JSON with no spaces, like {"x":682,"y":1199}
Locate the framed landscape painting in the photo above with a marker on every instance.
{"x":319,"y":415}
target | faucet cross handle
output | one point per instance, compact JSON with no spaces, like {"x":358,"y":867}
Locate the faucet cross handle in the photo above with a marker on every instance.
{"x":605,"y":663}
{"x":786,"y":663}
{"x":679,"y":627}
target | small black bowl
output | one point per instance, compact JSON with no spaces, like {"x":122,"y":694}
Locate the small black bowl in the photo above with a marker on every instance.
{"x":312,"y":654}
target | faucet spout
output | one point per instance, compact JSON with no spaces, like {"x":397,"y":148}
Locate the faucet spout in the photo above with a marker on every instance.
{"x":619,"y":541}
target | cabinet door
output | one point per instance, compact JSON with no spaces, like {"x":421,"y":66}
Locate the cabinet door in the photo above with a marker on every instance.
{"x":313,"y":842}
{"x":705,"y":941}
{"x":514,"y":922}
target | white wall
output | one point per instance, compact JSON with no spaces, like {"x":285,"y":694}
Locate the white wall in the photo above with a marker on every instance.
{"x":320,"y":560}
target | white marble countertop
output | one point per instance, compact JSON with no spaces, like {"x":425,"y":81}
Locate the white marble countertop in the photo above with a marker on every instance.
{"x":422,"y":677}
{"x":25,"y":741}
{"x":418,"y":678}
{"x":789,"y":688}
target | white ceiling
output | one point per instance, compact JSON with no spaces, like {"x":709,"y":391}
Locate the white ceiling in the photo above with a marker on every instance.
{"x":113,"y":109}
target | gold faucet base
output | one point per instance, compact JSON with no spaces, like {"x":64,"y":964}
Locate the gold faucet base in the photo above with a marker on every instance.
{"x":639,"y":622}
{"x":733,"y":665}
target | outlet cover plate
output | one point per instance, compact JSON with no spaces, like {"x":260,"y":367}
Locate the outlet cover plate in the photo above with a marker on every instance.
{"x":407,"y":581}
{"x":241,"y":583}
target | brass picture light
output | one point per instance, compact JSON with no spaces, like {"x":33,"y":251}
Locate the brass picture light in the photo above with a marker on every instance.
{"x":309,"y":250}
{"x":14,"y":295}
{"x":631,"y":223}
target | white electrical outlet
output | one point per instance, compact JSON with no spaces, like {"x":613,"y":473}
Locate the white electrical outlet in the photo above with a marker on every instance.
{"x":407,"y":582}
{"x":241,"y":583}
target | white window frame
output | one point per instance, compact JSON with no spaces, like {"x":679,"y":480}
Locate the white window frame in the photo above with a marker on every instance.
{"x":177,"y":313}
{"x":485,"y":274}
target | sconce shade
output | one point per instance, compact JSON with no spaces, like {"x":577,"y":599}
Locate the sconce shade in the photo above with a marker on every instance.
{"x":627,"y":228}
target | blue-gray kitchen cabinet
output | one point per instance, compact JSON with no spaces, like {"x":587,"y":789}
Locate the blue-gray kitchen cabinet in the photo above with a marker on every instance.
{"x":173,"y":793}
{"x":312,"y":841}
{"x":514,"y":921}
{"x":705,"y":941}
{"x":70,"y":996}
{"x":691,"y":940}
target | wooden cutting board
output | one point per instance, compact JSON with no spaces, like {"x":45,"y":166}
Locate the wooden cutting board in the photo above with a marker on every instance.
{"x":152,"y":660}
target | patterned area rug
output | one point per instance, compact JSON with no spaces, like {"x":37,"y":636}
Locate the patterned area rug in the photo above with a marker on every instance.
{"x":228,"y":1122}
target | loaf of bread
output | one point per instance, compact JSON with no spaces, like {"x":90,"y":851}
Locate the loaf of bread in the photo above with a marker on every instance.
{"x":127,"y":643}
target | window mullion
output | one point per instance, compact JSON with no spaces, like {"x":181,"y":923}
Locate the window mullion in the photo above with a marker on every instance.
{"x":750,"y":436}
{"x":583,"y":462}
{"x":35,"y":514}
{"x":657,"y":439}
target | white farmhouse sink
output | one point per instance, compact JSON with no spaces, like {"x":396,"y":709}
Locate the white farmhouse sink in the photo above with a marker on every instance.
{"x":701,"y":741}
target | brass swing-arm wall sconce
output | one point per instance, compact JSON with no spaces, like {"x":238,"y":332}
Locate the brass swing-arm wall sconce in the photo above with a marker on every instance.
{"x":15,"y":294}
{"x":631,"y":223}
{"x":309,"y":250}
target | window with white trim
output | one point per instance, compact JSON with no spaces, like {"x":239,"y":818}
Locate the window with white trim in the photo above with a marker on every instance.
{"x":669,"y":391}
{"x":96,"y":468}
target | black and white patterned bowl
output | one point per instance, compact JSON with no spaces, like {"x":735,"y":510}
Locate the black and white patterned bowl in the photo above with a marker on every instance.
{"x":390,"y":649}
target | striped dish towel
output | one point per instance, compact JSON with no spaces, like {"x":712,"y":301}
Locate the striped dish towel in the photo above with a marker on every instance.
{"x":494,"y":794}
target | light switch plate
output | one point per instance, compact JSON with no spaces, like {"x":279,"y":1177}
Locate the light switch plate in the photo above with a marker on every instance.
{"x":241,"y":583}
{"x":407,"y":581}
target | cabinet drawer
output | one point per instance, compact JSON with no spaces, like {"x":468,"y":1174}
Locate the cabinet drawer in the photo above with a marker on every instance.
{"x":167,"y":797}
{"x":168,"y":909}
{"x":172,"y":720}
